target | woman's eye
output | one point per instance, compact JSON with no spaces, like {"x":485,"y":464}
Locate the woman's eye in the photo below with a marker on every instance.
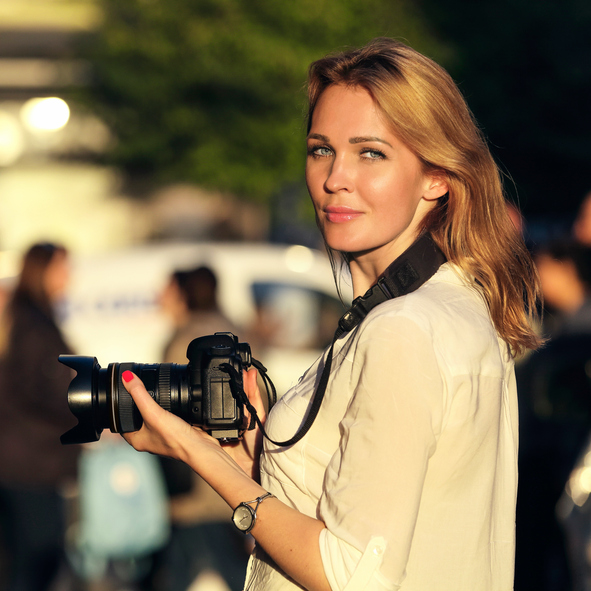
{"x":319,"y":151}
{"x":373,"y":154}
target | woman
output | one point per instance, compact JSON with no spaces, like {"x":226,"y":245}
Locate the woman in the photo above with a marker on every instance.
{"x":407,"y":478}
{"x":34,"y":466}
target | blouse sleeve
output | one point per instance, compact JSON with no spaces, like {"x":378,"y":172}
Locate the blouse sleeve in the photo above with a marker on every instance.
{"x":374,"y":481}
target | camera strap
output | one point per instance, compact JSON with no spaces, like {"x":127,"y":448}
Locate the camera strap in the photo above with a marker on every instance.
{"x":414,"y":267}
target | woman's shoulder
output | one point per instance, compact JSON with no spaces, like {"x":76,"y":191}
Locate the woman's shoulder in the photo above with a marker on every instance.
{"x":449,"y":296}
{"x":447,"y":313}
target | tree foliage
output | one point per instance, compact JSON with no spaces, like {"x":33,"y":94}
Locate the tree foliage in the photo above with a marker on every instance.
{"x":212,"y":91}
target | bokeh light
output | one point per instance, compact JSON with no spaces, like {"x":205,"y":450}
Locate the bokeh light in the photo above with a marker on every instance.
{"x":45,"y":114}
{"x":299,"y":259}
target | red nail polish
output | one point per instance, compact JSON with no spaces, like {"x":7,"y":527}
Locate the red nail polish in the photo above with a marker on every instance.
{"x":127,"y":376}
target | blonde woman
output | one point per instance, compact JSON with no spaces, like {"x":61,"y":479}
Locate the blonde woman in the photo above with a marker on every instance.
{"x":407,"y":478}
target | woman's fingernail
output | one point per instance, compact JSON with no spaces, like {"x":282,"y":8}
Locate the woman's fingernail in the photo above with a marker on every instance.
{"x":127,"y":376}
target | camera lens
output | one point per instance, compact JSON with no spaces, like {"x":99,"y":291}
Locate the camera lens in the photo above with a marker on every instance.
{"x":99,"y":400}
{"x":204,"y":392}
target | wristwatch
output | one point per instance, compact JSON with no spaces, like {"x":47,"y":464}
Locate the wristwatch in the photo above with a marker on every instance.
{"x":244,"y":516}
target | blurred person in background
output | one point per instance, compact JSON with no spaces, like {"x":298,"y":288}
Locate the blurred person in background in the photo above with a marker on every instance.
{"x":565,"y":274}
{"x":582,"y":224}
{"x":34,"y":467}
{"x":555,"y":414}
{"x":190,"y":300}
{"x":202,"y":537}
{"x":516,"y":217}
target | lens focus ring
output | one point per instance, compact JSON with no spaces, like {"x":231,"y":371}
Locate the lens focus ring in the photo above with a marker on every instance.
{"x":164,"y":386}
{"x":128,"y":414}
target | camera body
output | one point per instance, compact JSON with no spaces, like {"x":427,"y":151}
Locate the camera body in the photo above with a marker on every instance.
{"x":203,"y":392}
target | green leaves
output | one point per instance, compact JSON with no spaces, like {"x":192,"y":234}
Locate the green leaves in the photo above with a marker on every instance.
{"x":212,"y":91}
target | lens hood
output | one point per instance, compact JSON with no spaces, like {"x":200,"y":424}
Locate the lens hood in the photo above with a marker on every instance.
{"x":83,"y":399}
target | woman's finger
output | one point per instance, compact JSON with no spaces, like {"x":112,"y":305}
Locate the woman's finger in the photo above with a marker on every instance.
{"x":161,"y":430}
{"x":144,"y":402}
{"x":252,"y":390}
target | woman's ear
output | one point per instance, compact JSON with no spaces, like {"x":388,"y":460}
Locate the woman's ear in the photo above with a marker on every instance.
{"x":436,"y":186}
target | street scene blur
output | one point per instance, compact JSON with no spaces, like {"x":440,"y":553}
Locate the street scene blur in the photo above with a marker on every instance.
{"x":152,"y":192}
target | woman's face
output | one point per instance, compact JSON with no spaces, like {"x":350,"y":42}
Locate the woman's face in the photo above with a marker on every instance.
{"x":368,"y":189}
{"x":57,"y":276}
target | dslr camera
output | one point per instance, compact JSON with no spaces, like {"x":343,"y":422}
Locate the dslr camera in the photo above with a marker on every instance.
{"x":205,"y":392}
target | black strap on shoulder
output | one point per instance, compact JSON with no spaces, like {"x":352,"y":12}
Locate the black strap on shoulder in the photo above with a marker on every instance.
{"x":414,"y":267}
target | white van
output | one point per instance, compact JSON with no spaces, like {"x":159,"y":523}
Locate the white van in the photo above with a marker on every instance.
{"x":112,"y":311}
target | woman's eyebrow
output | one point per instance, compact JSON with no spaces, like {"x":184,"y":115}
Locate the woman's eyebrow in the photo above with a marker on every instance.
{"x":361,"y":140}
{"x":353,"y":140}
{"x":318,"y":136}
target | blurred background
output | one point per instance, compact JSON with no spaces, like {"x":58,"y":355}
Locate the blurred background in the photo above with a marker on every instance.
{"x":154,"y":136}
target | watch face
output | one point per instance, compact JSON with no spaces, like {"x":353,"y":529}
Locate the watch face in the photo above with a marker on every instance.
{"x":243,"y":518}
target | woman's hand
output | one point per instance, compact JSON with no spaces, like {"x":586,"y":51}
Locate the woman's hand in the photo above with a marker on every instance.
{"x":246,"y":452}
{"x":165,"y":434}
{"x":162,"y":432}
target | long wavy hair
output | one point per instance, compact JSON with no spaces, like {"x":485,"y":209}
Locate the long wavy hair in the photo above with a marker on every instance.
{"x":470,"y":223}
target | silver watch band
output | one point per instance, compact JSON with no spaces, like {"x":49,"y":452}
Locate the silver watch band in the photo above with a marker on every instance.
{"x":258,"y":501}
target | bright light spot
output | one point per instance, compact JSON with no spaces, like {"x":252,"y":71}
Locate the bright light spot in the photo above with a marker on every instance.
{"x":577,"y":486}
{"x":11,"y":139}
{"x":299,"y":259}
{"x":585,"y":480}
{"x":124,"y":479}
{"x":45,"y":114}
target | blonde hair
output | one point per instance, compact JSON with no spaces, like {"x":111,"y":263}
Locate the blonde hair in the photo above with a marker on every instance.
{"x":471,"y":223}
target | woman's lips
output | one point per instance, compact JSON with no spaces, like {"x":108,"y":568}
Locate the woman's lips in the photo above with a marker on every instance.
{"x":338,"y":215}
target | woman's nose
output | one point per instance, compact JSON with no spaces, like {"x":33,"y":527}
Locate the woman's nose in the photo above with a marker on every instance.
{"x":339,"y":177}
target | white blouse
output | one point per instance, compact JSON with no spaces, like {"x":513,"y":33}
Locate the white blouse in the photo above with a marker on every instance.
{"x":412,"y":460}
